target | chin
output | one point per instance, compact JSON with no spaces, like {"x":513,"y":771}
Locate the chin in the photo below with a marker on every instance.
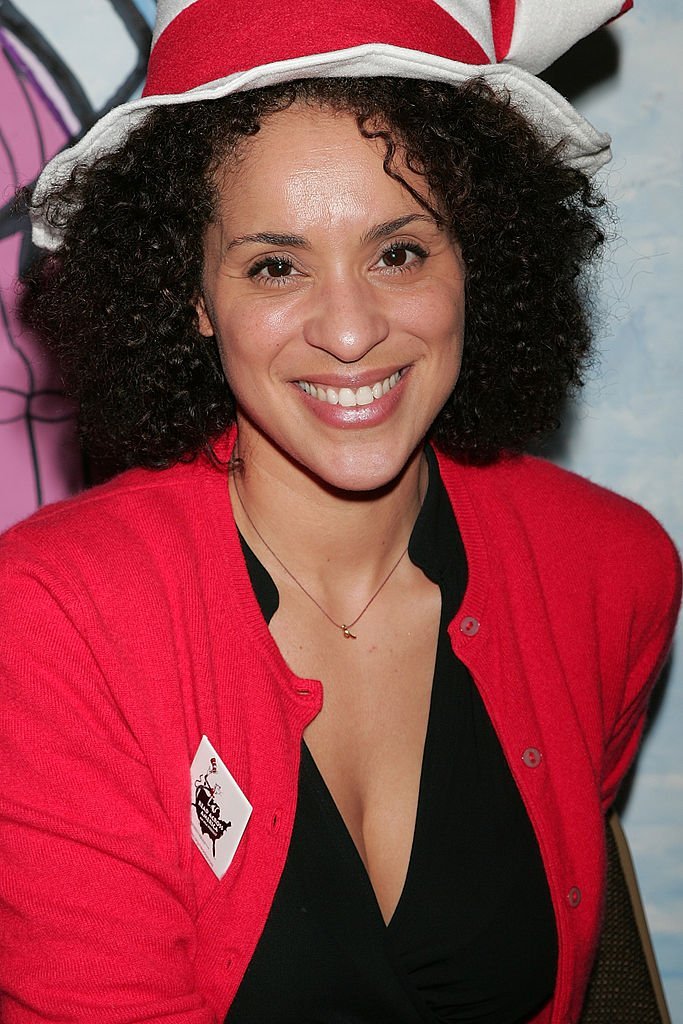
{"x":341,"y":460}
{"x":357,"y":470}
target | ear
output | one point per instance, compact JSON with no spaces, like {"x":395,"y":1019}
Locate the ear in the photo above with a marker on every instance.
{"x":203,"y":319}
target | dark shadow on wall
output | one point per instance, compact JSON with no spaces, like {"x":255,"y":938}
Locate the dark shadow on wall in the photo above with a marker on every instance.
{"x":592,"y":62}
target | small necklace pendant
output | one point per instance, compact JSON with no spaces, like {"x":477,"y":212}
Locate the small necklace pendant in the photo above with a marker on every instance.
{"x":348,"y":634}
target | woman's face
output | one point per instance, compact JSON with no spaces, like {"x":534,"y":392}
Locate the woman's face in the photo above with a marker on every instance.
{"x":336,"y":300}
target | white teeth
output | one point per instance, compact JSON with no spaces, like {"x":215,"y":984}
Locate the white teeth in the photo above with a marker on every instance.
{"x":347,"y":397}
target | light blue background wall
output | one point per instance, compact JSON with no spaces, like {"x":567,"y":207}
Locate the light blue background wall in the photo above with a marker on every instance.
{"x":628,"y":430}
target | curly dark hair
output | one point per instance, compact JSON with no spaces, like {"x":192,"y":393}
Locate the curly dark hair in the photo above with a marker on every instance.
{"x":117,"y":301}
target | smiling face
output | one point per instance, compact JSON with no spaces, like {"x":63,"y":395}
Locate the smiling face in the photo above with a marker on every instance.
{"x":336,"y":300}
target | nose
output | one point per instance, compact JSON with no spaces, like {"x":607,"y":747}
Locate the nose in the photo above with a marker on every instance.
{"x":347,"y":318}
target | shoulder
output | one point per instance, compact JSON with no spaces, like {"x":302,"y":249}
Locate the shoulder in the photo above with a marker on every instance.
{"x":570,"y":523}
{"x":524,"y":482}
{"x":135,"y":507}
{"x":110,"y":575}
{"x":139,"y":532}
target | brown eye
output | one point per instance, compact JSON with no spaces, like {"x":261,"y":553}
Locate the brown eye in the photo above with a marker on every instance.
{"x":395,"y":257}
{"x":278,"y":268}
{"x":272,"y":268}
{"x":402,"y":256}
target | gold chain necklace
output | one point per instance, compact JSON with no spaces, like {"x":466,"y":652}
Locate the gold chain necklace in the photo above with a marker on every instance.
{"x":343,"y":626}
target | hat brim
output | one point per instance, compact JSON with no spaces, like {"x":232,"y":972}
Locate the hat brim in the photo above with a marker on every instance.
{"x":558,"y":122}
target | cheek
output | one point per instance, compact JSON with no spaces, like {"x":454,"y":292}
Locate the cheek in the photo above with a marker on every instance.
{"x":250,"y":346}
{"x":238,"y":364}
{"x":441,"y":319}
{"x":258,"y":329}
{"x":242,"y":341}
{"x":446,"y":319}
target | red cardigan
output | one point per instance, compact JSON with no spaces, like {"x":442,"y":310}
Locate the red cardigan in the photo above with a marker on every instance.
{"x":128,"y":628}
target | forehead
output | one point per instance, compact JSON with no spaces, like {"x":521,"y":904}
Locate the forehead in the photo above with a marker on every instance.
{"x":314,"y":165}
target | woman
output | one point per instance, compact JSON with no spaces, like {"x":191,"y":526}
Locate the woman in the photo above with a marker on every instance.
{"x":271,"y":303}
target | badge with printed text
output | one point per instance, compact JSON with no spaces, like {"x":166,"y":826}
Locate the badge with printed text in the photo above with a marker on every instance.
{"x":220,"y":810}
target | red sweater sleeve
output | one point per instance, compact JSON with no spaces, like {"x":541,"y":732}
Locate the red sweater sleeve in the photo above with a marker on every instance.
{"x":647,"y":637}
{"x":97,"y":917}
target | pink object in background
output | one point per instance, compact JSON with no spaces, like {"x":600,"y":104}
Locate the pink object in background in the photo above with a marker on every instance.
{"x":39,"y":457}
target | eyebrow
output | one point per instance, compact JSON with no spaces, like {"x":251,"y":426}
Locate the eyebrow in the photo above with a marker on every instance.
{"x":391,"y":226}
{"x":299,"y":242}
{"x":269,"y":238}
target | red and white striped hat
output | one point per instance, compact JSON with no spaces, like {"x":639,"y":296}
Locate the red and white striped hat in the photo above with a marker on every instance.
{"x":206,"y":49}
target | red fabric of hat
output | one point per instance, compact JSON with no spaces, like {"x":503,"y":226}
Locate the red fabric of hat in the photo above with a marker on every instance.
{"x":202,"y":45}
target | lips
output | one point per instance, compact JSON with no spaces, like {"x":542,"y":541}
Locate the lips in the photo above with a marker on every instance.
{"x":348,"y":398}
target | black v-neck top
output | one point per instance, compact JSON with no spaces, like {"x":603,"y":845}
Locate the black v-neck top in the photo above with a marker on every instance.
{"x":473,"y":936}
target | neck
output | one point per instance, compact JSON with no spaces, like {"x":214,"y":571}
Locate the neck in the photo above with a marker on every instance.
{"x":335,"y":540}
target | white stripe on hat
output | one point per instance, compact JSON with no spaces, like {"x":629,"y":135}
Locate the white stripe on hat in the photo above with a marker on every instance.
{"x":474,"y":16}
{"x":545,"y":29}
{"x":168,"y":11}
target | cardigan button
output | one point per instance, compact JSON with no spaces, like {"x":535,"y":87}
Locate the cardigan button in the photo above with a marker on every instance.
{"x":469,"y":625}
{"x":574,"y":896}
{"x":532,"y":757}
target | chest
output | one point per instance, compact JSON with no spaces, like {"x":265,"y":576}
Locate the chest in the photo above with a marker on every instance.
{"x":368,"y":739}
